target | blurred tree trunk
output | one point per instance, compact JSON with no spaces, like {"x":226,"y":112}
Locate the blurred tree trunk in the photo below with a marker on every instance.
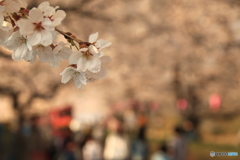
{"x":188,"y":93}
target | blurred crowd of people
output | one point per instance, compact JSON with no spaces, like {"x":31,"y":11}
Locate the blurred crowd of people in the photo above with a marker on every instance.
{"x":120,"y":136}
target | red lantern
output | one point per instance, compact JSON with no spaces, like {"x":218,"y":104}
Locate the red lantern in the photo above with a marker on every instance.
{"x":215,"y":102}
{"x":153,"y":106}
{"x":182,"y":104}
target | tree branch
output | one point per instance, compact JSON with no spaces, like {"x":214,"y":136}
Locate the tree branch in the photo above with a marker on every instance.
{"x":6,"y":56}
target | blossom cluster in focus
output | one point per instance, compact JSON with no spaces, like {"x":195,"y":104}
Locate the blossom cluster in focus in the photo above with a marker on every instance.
{"x":32,"y":34}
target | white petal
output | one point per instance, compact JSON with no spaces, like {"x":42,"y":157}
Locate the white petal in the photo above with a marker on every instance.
{"x":82,"y":78}
{"x":105,"y":59}
{"x":65,"y":53}
{"x":34,"y":38}
{"x":1,"y":19}
{"x":29,"y":46}
{"x":78,"y":83}
{"x":47,"y":38}
{"x":11,"y":6}
{"x":11,"y":41}
{"x":93,"y":37}
{"x":101,"y":43}
{"x":46,"y":9}
{"x":58,"y":17}
{"x":19,"y":53}
{"x":55,"y":61}
{"x":67,"y":74}
{"x":83,"y":49}
{"x":30,"y":56}
{"x":57,"y":49}
{"x":45,"y":54}
{"x":35,"y":15}
{"x":54,"y":34}
{"x":75,"y":56}
{"x":83,"y":64}
{"x":33,"y":59}
{"x":26,"y":27}
{"x":22,"y":4}
{"x":47,"y":24}
{"x":95,"y":65}
{"x":93,"y":49}
{"x":3,"y":36}
{"x":98,"y":75}
{"x":2,"y":8}
{"x":43,"y":5}
{"x":101,"y":54}
{"x":103,"y":73}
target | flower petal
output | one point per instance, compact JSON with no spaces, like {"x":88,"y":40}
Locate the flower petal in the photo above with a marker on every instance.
{"x":75,"y":56}
{"x":67,"y":74}
{"x":58,"y":17}
{"x":2,"y":8}
{"x":45,"y":53}
{"x":35,"y":15}
{"x":30,"y":56}
{"x":101,"y":43}
{"x":3,"y":36}
{"x":26,"y":27}
{"x":65,"y":53}
{"x":55,"y":61}
{"x":46,"y":9}
{"x":34,"y":38}
{"x":83,"y":78}
{"x":43,"y":5}
{"x":47,"y":38}
{"x":95,"y":76}
{"x":83,"y":64}
{"x":19,"y":53}
{"x":78,"y":83}
{"x":93,"y":49}
{"x":95,"y":65}
{"x":10,"y":43}
{"x":105,"y":59}
{"x":79,"y":80}
{"x":1,"y":19}
{"x":93,"y":37}
{"x":47,"y":24}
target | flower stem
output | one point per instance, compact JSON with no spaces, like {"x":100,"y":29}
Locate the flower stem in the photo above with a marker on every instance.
{"x":75,"y":45}
{"x":68,"y":36}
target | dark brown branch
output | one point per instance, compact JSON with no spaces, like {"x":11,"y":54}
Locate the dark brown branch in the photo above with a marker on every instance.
{"x":53,"y":89}
{"x":68,"y":36}
{"x":6,"y":56}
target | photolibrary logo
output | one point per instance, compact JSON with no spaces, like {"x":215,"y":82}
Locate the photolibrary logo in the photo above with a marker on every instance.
{"x":212,"y":154}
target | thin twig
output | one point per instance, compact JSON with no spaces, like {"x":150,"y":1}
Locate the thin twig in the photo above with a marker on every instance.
{"x":65,"y":34}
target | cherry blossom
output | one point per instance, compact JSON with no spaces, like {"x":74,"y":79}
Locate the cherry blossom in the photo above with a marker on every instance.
{"x":12,"y":6}
{"x":37,"y":28}
{"x":91,"y":77}
{"x":86,"y":60}
{"x":99,"y":44}
{"x":30,"y":57}
{"x":33,"y":33}
{"x":20,"y":45}
{"x":72,"y":72}
{"x":3,"y":35}
{"x":45,"y":53}
{"x":60,"y":52}
{"x":2,"y":9}
{"x":55,"y":16}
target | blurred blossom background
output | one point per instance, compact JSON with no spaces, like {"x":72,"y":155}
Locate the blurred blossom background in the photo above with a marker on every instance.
{"x":172,"y":88}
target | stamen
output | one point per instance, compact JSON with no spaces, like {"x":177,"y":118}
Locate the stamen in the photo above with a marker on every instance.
{"x":38,"y":26}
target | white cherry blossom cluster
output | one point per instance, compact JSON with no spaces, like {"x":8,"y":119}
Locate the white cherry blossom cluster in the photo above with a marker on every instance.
{"x":33,"y":33}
